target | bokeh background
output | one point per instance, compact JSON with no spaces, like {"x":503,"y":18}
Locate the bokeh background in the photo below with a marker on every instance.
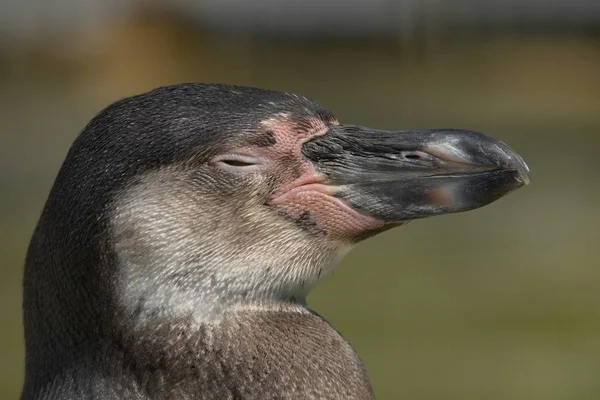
{"x":497,"y":303}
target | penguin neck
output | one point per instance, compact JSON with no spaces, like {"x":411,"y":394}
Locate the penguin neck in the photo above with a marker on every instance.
{"x":205,"y":295}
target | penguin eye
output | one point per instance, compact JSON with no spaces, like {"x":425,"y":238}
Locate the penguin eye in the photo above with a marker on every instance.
{"x":237,"y":163}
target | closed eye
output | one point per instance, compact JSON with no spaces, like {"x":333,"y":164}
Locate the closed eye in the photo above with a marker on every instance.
{"x":237,"y":163}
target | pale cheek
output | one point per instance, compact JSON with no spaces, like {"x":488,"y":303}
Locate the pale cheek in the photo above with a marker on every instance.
{"x":330,"y":215}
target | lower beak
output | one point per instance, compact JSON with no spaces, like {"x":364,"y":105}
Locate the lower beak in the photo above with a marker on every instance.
{"x":404,"y":175}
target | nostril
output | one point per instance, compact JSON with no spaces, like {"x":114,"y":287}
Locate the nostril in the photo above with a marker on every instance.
{"x":417,"y":156}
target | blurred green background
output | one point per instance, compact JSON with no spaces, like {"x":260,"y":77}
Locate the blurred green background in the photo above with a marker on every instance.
{"x":497,"y":303}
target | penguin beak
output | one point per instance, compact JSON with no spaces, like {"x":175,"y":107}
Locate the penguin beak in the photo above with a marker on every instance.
{"x":404,"y":175}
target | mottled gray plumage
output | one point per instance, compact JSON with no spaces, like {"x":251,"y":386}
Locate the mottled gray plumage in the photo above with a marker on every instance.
{"x":187,"y":225}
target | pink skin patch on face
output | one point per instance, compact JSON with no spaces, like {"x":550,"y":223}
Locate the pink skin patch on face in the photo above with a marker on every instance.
{"x":332,"y":215}
{"x":305,"y":191}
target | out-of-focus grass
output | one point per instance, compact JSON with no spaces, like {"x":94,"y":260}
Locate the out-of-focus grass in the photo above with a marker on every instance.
{"x":497,"y":303}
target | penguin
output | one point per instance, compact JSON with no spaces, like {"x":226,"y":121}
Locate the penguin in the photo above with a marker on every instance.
{"x":187,"y":225}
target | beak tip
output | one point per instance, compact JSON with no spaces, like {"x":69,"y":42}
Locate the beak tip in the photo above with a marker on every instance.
{"x":522,"y":169}
{"x":483,"y":150}
{"x":524,"y":177}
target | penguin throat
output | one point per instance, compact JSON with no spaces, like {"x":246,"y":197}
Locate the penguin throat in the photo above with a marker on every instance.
{"x":206,"y":294}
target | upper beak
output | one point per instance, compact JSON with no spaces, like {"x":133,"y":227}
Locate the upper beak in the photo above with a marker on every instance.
{"x":403,"y":175}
